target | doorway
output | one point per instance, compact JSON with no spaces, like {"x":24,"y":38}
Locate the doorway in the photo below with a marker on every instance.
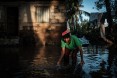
{"x":12,"y":21}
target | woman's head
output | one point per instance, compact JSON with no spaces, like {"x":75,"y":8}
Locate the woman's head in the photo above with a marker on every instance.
{"x":66,"y":36}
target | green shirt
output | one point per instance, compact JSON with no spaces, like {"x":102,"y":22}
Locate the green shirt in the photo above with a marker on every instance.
{"x":75,"y":42}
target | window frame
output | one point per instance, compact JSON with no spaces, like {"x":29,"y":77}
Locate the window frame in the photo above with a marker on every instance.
{"x":42,"y":10}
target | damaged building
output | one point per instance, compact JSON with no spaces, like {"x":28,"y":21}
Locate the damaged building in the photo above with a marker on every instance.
{"x":38,"y":22}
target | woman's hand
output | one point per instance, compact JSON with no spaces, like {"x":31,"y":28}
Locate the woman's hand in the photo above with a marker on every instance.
{"x":62,"y":54}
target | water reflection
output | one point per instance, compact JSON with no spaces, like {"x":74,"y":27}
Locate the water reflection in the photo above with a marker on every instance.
{"x":95,"y":60}
{"x":40,"y":62}
{"x":46,"y":56}
{"x":40,"y":57}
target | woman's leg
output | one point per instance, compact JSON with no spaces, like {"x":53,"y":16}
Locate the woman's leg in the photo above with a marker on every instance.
{"x":74,"y":56}
{"x":66,"y":56}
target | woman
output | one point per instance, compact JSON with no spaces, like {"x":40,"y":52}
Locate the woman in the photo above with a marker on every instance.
{"x":70,"y":45}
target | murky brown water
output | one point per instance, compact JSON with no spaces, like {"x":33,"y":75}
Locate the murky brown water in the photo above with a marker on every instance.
{"x":40,"y":62}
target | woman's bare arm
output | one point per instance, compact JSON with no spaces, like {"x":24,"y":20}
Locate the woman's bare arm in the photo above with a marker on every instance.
{"x":62,"y":54}
{"x":81,"y":54}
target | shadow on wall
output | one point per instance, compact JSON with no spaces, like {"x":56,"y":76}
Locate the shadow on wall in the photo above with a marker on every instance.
{"x":40,"y":33}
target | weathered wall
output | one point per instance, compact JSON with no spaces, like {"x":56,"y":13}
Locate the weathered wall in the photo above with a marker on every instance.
{"x":43,"y":33}
{"x":33,"y":32}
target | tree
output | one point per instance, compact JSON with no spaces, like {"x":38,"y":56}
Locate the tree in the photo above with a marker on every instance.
{"x":72,"y":7}
{"x":74,"y":14}
{"x":107,"y":4}
{"x":109,"y":17}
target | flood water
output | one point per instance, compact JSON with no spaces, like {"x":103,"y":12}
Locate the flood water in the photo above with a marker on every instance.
{"x":40,"y":62}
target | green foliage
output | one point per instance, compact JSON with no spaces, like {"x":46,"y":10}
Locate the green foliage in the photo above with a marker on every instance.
{"x":84,"y":27}
{"x":99,"y":4}
{"x":72,"y":7}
